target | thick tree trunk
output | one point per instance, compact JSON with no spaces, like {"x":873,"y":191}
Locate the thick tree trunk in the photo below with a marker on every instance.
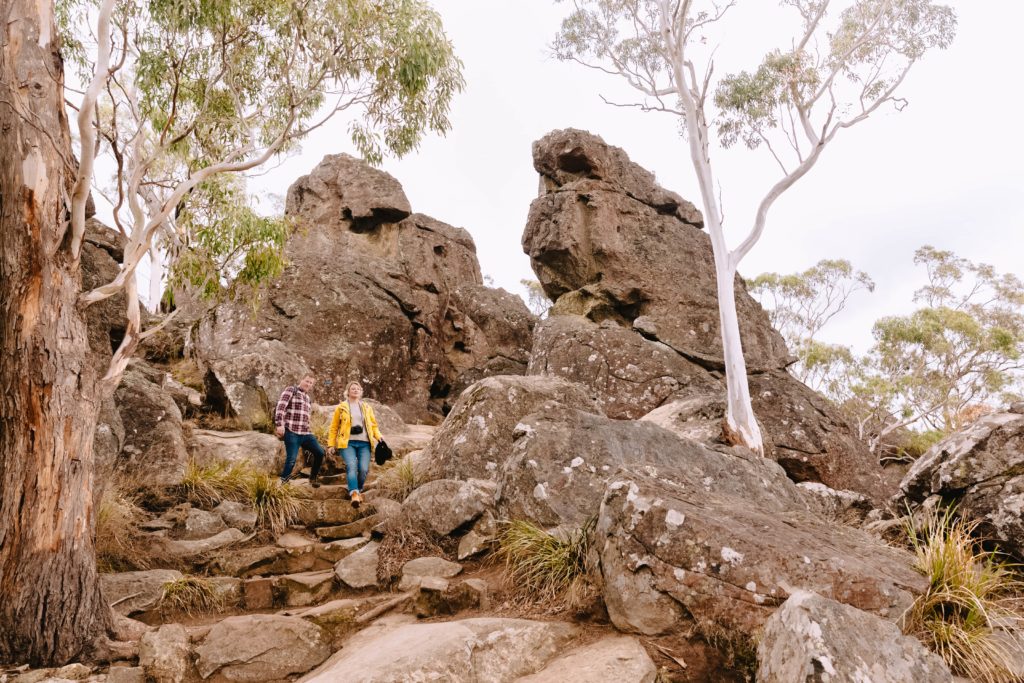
{"x":51,"y":608}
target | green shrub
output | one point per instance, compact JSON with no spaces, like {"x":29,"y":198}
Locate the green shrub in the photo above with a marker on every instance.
{"x":970,"y":592}
{"x":542,"y":563}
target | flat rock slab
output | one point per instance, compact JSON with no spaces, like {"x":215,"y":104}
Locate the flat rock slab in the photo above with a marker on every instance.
{"x":359,"y":570}
{"x":134,"y":592}
{"x":414,"y":571}
{"x":470,"y":650}
{"x":293,"y":540}
{"x":261,"y":647}
{"x":185,"y":549}
{"x":307,"y":588}
{"x":344,"y":531}
{"x":814,"y":638}
{"x":331,"y":512}
{"x":612,"y":659}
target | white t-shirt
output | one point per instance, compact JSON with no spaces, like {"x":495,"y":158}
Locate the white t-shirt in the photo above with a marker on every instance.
{"x":356,"y":412}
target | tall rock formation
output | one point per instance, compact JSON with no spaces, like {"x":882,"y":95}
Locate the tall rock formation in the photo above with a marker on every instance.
{"x":374,"y":293}
{"x":635,"y":316}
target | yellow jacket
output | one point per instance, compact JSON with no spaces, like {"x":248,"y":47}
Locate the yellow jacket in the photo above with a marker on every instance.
{"x":341,"y":426}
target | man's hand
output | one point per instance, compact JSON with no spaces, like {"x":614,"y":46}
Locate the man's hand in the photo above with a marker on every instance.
{"x":280,"y":431}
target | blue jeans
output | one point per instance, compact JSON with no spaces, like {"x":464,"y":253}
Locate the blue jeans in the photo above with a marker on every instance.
{"x":292,"y":443}
{"x":356,"y":475}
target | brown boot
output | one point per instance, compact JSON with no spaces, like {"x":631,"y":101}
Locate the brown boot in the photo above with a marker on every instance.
{"x":356,"y":498}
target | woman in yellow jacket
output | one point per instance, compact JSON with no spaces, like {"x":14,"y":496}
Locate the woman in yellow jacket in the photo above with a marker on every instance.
{"x":355,"y":433}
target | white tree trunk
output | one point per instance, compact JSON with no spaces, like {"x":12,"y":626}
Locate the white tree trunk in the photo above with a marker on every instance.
{"x":157,"y":274}
{"x":741,"y":425}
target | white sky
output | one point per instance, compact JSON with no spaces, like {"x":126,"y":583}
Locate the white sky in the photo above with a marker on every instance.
{"x":948,"y":171}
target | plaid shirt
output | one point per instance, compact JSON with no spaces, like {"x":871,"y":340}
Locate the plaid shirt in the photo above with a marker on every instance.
{"x":292,"y":411}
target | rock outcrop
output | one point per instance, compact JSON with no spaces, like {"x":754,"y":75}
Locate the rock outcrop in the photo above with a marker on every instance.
{"x":374,"y":292}
{"x":981,"y":469}
{"x":635,"y":314}
{"x":812,"y":638}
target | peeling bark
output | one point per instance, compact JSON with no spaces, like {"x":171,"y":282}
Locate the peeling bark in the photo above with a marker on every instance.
{"x":51,"y":610}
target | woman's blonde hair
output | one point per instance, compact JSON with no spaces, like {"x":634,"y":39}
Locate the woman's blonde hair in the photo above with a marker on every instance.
{"x":352,"y":384}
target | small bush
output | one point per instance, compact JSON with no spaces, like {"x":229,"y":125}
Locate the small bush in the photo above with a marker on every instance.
{"x":398,"y":479}
{"x":276,"y":504}
{"x":970,"y":592}
{"x":541,"y":563}
{"x":210,"y":484}
{"x":189,"y":595}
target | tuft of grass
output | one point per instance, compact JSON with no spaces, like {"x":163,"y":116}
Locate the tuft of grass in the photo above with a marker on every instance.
{"x":186,"y":372}
{"x":541,"y":563}
{"x":276,"y":504}
{"x":210,"y":484}
{"x":398,"y":480}
{"x":971,"y":592}
{"x":320,"y":425}
{"x":120,"y":546}
{"x":189,"y":595}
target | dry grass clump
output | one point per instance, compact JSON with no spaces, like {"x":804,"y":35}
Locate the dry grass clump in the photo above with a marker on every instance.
{"x":210,"y":484}
{"x":276,"y":503}
{"x":120,"y":545}
{"x":544,"y":565}
{"x":187,"y":373}
{"x":398,"y":478}
{"x":404,"y":541}
{"x":971,"y":593}
{"x":191,"y":595}
{"x":320,"y":425}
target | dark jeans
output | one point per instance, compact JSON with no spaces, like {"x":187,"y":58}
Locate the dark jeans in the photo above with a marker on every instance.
{"x":292,"y":443}
{"x":355,"y":472}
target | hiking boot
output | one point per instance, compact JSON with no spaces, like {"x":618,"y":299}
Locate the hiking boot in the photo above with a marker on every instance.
{"x":357,"y":498}
{"x":315,"y":483}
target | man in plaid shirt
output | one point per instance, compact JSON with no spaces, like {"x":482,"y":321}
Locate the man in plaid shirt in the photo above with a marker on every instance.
{"x":292,"y":420}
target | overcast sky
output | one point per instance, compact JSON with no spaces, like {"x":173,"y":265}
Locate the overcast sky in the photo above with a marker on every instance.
{"x":947,"y":171}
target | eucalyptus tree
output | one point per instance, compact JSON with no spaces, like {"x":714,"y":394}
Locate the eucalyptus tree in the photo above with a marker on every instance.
{"x":799,"y":305}
{"x":843,"y":62}
{"x":178,"y":93}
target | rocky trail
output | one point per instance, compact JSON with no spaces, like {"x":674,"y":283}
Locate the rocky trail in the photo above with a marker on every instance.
{"x":595,"y":432}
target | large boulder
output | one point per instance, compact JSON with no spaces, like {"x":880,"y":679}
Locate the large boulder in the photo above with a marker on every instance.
{"x":165,"y":654}
{"x":470,"y":650}
{"x":981,"y":468}
{"x":629,"y":374}
{"x":612,"y":659}
{"x":445,"y":505}
{"x":261,"y":647}
{"x":563,"y":459}
{"x":476,"y":437}
{"x":731,"y":558}
{"x":605,"y":237}
{"x":154,"y":449}
{"x":636,"y":320}
{"x":264,"y":451}
{"x":374,"y":292}
{"x":811,"y":638}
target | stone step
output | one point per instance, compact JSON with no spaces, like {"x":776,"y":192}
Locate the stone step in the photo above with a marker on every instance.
{"x":357,"y":528}
{"x":275,"y":560}
{"x":288,"y":590}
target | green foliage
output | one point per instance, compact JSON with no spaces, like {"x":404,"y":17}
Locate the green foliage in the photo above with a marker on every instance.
{"x":541,"y":563}
{"x":227,"y":247}
{"x":970,"y":594}
{"x":191,"y":595}
{"x":536,"y":298}
{"x":209,"y":87}
{"x":935,"y":369}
